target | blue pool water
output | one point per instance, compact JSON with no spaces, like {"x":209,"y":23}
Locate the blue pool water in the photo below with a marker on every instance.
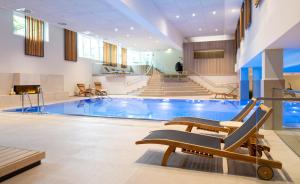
{"x":161,"y":109}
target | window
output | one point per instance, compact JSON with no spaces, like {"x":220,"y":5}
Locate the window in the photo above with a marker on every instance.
{"x":19,"y":26}
{"x":139,"y":57}
{"x":90,"y":47}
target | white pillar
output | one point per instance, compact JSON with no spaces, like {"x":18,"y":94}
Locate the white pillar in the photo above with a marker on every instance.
{"x":272,"y":77}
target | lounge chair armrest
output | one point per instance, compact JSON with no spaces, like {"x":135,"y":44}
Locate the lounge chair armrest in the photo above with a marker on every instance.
{"x":231,"y":124}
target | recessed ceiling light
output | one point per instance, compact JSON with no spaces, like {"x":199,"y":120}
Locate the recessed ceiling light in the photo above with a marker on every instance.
{"x":199,"y":29}
{"x":131,"y":28}
{"x":177,"y":16}
{"x":216,"y":30}
{"x":24,"y":10}
{"x":116,"y":29}
{"x":87,"y":32}
{"x":234,"y":10}
{"x":193,"y":14}
{"x":214,"y":12}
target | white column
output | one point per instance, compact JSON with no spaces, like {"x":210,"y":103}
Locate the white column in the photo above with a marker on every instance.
{"x":272,"y":77}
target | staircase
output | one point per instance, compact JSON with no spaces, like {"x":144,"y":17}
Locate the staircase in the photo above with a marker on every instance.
{"x":159,"y":85}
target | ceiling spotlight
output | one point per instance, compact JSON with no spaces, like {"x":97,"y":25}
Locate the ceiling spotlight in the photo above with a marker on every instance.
{"x":87,"y":32}
{"x":177,"y":16}
{"x":216,"y":30}
{"x":23,"y":10}
{"x":200,"y":29}
{"x":214,"y":12}
{"x":116,"y":29}
{"x":194,"y":14}
{"x":234,"y":10}
{"x":131,"y":28}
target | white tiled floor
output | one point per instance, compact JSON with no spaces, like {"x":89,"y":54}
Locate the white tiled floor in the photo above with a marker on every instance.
{"x":99,"y":150}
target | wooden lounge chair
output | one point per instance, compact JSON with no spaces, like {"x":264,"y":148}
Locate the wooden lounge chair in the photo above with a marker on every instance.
{"x":210,"y":146}
{"x":98,"y":89}
{"x":83,"y":91}
{"x":14,"y":161}
{"x":212,"y":125}
{"x":108,"y":71}
{"x":227,"y":95}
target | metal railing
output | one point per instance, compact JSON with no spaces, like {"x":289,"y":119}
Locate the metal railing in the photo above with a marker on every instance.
{"x":40,"y":99}
{"x":228,"y":86}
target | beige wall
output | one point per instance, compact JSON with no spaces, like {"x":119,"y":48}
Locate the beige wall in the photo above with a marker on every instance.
{"x":215,"y":66}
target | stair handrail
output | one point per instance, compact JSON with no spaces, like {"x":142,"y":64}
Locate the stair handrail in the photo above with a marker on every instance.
{"x":219,"y":85}
{"x":132,"y":82}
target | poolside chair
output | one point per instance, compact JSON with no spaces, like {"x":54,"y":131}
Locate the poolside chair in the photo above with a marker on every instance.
{"x":98,"y":89}
{"x":212,"y":125}
{"x":210,"y":146}
{"x":83,"y":91}
{"x":227,"y":95}
{"x":108,"y":71}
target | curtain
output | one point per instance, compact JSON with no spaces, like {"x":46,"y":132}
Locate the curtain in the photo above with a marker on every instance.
{"x":247,"y":12}
{"x":70,"y":45}
{"x":238,"y":35}
{"x":109,"y":54}
{"x":242,"y":22}
{"x":106,"y":54}
{"x":113,"y":49}
{"x":124,"y":58}
{"x":34,"y":37}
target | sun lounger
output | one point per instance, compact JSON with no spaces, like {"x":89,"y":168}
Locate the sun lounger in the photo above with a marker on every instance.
{"x":98,"y":89}
{"x":227,"y":95}
{"x":212,"y":125}
{"x":209,"y":146}
{"x":83,"y":91}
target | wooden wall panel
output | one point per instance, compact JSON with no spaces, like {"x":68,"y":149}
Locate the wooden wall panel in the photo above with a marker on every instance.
{"x":211,"y":66}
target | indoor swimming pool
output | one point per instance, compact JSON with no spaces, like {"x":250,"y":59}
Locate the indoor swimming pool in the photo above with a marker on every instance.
{"x":160,"y":109}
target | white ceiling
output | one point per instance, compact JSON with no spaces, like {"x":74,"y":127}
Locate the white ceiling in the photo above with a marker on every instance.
{"x":95,"y":16}
{"x":224,"y":20}
{"x":101,"y":18}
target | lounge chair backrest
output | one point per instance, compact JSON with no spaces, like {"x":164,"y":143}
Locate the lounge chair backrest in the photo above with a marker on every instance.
{"x":98,"y":85}
{"x":248,"y":129}
{"x":243,"y":113}
{"x":106,"y":69}
{"x":81,"y":87}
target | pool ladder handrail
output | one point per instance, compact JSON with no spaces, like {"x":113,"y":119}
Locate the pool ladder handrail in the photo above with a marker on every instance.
{"x":23,"y":98}
{"x":40,"y":97}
